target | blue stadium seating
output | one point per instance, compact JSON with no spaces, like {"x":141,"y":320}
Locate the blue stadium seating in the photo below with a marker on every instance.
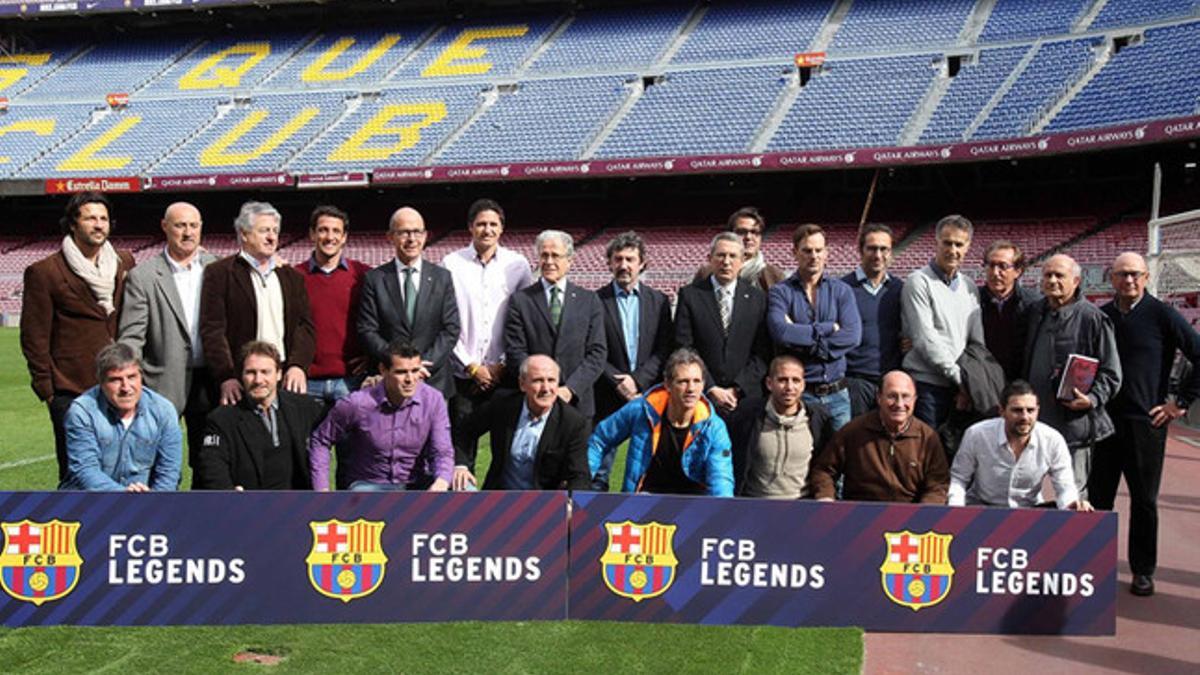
{"x":506,"y":44}
{"x":1054,"y":68}
{"x":361,"y":58}
{"x":613,"y":38}
{"x":28,"y":131}
{"x":1021,"y":19}
{"x":1130,"y":12}
{"x":120,"y":67}
{"x":969,"y":92}
{"x":735,"y":31}
{"x":881,"y":24}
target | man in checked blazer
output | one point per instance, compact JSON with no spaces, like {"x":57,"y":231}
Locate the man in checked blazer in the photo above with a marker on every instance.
{"x":410,"y":299}
{"x":555,"y":317}
{"x":734,"y":349}
{"x":161,"y":321}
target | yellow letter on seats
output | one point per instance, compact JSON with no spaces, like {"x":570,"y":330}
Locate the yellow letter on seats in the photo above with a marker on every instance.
{"x":215,"y":155}
{"x":86,"y":160}
{"x":461,"y":50}
{"x":409,"y":134}
{"x":315,"y":72}
{"x":10,"y":76}
{"x":222,"y":76}
{"x":35,"y":127}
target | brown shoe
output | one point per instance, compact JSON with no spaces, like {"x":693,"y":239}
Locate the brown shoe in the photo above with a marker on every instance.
{"x":1143,"y":585}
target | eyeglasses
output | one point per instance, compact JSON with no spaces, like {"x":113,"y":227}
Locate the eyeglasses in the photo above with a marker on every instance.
{"x":1002,"y":266}
{"x":745,"y":232}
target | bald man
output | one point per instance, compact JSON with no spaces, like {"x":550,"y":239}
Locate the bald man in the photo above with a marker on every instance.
{"x":411,"y":299}
{"x":1062,"y":324}
{"x":1149,"y":333}
{"x":160,"y":320}
{"x":884,"y":455}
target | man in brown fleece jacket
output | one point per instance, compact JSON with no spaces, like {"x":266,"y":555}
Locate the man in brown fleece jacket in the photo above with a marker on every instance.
{"x":885,"y":455}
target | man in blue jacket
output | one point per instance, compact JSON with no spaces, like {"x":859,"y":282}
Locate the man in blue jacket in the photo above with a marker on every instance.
{"x":120,"y":435}
{"x":677,"y":444}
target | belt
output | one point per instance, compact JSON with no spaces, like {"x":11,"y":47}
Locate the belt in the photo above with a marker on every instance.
{"x":826,"y":389}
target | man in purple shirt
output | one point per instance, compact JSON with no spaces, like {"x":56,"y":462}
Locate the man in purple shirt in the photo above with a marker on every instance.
{"x":392,"y":436}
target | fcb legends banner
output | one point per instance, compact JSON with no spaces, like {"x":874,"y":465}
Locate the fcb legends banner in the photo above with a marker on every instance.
{"x":230,"y":558}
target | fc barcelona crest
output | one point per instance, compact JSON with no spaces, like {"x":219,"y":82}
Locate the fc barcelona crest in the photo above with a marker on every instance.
{"x":347,"y":559}
{"x":639,"y":561}
{"x":916,"y":570}
{"x":39,"y":561}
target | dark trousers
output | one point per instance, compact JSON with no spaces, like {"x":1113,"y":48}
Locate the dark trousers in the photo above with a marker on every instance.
{"x":467,"y":399}
{"x":863,"y":394}
{"x":195,"y":411}
{"x":1135,"y":451}
{"x":58,"y":416}
{"x":934,"y":403}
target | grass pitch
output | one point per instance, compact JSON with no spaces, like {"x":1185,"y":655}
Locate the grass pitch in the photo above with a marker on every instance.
{"x":27,"y":463}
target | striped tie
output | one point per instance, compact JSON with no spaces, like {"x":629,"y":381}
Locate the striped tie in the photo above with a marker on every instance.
{"x":725,"y":299}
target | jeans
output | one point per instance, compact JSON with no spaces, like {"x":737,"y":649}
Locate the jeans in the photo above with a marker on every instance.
{"x":934,"y":403}
{"x":332,"y":389}
{"x":837,"y":403}
{"x":863,"y":394}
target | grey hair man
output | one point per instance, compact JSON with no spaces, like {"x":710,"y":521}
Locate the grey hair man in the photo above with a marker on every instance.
{"x":249,"y":296}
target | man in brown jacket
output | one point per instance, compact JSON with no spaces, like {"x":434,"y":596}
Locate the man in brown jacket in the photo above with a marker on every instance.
{"x":248,"y":296}
{"x":884,"y":455}
{"x":72,"y":300}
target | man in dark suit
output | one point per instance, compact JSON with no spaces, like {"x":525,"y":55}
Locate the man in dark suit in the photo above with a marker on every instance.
{"x":724,"y":319}
{"x":538,"y":442}
{"x":410,"y":299}
{"x":555,"y":317}
{"x":69,"y":310}
{"x":261,"y":442}
{"x":1005,"y":306}
{"x":638,"y":330}
{"x":161,"y":321}
{"x":248,"y":297}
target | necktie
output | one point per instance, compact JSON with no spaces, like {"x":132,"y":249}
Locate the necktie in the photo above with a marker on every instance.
{"x":555,"y":306}
{"x":726,"y":302}
{"x":410,"y":295}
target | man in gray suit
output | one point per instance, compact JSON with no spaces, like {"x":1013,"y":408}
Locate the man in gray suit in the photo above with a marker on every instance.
{"x":555,"y":317}
{"x":411,"y":299}
{"x":160,"y":320}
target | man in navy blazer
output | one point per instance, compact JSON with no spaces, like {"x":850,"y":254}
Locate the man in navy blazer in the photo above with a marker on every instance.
{"x":555,"y":317}
{"x":732,"y":341}
{"x":410,"y":299}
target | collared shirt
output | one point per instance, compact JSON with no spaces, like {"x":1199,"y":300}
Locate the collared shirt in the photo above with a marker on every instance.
{"x":819,"y":332}
{"x":952,"y":282}
{"x":717,"y":286}
{"x":561,"y":285}
{"x":188,"y":281}
{"x":314,"y":267}
{"x":385,"y":443}
{"x":268,"y":296}
{"x":996,"y":477}
{"x":864,"y":281}
{"x":630,"y":308}
{"x":416,"y":276}
{"x":105,"y":452}
{"x":482,"y":291}
{"x":270,"y":418}
{"x":518,"y":473}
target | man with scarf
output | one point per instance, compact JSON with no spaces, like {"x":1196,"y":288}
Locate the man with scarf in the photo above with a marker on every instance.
{"x":70,"y":309}
{"x":749,"y":225}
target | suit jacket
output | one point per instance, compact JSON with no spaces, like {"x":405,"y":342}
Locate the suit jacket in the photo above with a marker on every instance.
{"x":561,"y":461}
{"x":737,"y":360}
{"x":746,"y":428}
{"x":63,"y":327}
{"x":154,"y":324}
{"x":435,"y":327}
{"x":229,"y":316}
{"x":235,"y":438}
{"x":656,"y":334}
{"x":577,"y":344}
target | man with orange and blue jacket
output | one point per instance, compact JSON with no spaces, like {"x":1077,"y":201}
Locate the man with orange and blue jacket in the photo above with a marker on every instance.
{"x":677,"y":444}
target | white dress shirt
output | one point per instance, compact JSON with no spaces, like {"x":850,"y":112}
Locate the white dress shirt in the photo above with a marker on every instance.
{"x":985,"y":471}
{"x":482,"y":292}
{"x":188,"y":281}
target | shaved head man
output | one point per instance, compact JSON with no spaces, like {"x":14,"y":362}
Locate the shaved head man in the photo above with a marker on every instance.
{"x":1149,"y":334}
{"x":161,"y":321}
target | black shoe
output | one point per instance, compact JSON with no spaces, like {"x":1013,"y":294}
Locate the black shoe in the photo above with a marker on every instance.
{"x":1143,"y":585}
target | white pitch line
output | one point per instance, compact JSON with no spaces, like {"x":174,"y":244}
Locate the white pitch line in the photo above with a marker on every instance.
{"x":23,"y":462}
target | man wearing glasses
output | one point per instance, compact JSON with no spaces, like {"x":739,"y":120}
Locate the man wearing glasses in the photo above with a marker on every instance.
{"x":748,"y":224}
{"x":1149,"y":332}
{"x":412,"y":300}
{"x":1005,"y":306}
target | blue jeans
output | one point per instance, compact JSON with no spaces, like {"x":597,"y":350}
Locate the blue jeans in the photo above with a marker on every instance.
{"x":332,"y":389}
{"x":837,"y":403}
{"x":934,"y":403}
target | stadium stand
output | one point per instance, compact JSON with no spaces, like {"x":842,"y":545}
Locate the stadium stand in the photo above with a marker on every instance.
{"x":969,"y":92}
{"x":612,"y":38}
{"x":121,"y":66}
{"x":883,"y":24}
{"x":1117,"y":13}
{"x":338,"y":57}
{"x":1020,"y":19}
{"x":732,"y":31}
{"x":1057,"y":65}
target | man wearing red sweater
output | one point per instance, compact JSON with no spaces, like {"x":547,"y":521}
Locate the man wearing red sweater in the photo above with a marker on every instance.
{"x":332,"y":281}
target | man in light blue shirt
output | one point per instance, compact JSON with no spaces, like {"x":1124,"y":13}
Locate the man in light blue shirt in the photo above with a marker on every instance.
{"x":121,"y":436}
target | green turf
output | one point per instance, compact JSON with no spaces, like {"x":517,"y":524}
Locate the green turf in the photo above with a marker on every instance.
{"x":526,"y":647}
{"x":27,"y":463}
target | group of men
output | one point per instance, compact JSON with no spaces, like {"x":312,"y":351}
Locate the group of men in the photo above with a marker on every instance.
{"x":866,"y":387}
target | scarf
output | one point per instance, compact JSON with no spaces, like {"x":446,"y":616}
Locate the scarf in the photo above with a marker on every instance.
{"x":753,"y":267}
{"x":101,"y":277}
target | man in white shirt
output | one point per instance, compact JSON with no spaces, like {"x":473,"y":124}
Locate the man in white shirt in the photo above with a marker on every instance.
{"x":1002,"y":461}
{"x":485,"y":275}
{"x":160,"y":320}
